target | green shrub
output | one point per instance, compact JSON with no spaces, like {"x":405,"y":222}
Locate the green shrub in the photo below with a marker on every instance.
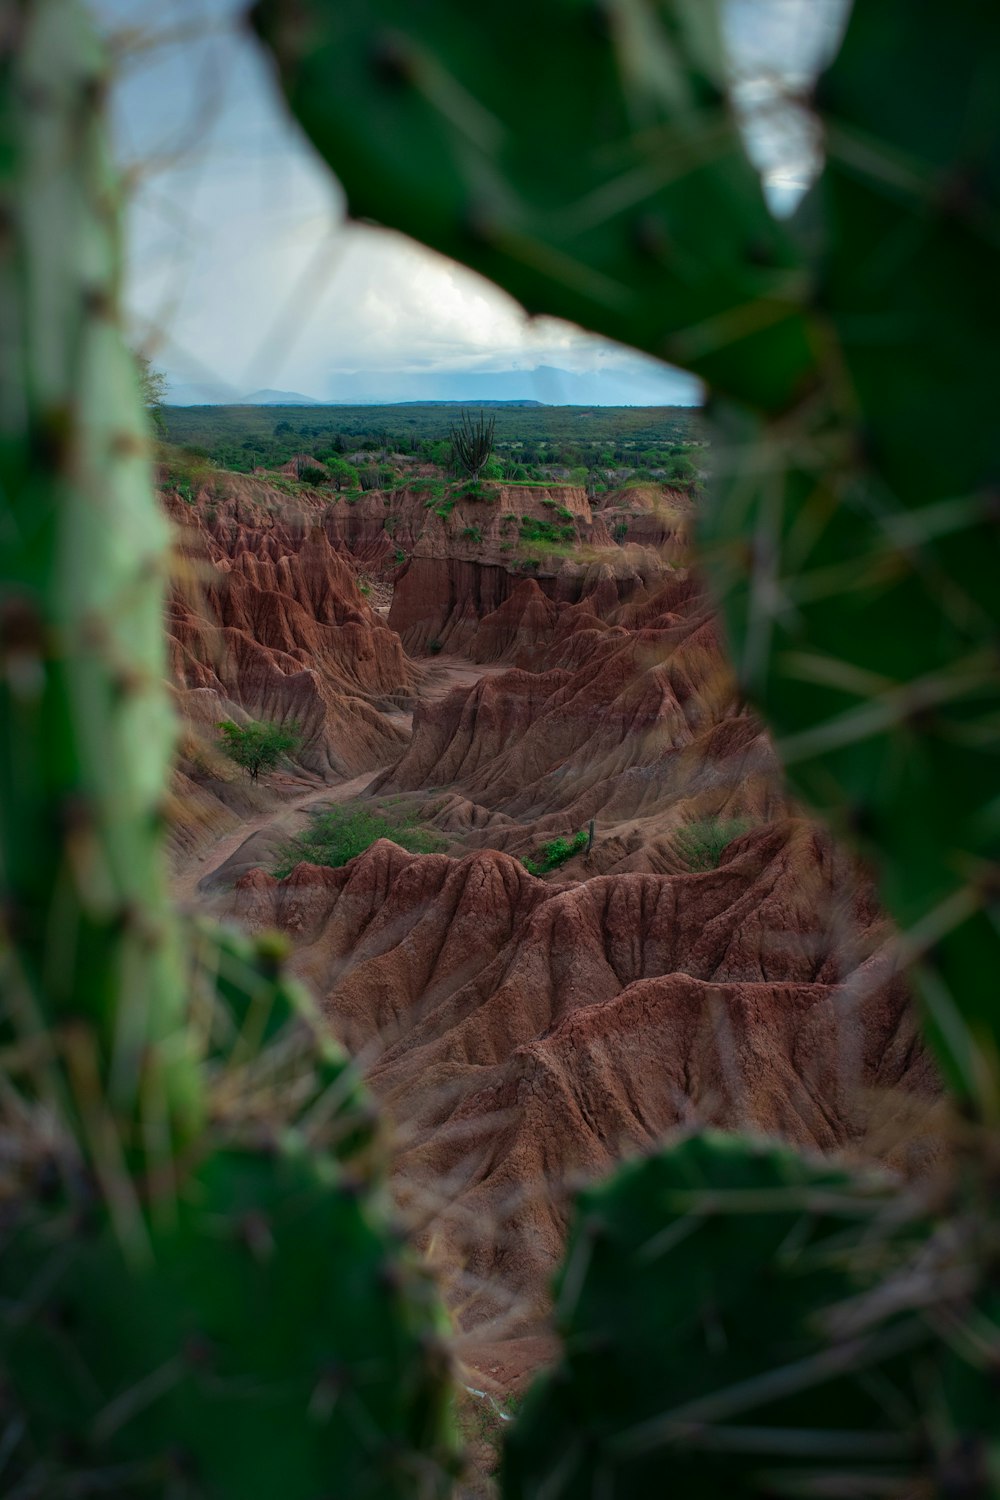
{"x":473,"y":533}
{"x":258,"y":746}
{"x":310,"y":474}
{"x":701,"y":844}
{"x":337,"y":835}
{"x":285,"y":484}
{"x":435,"y":488}
{"x":373,"y":478}
{"x":435,"y":647}
{"x":555,"y":853}
{"x":534,"y":530}
{"x":477,"y":490}
{"x":341,"y":474}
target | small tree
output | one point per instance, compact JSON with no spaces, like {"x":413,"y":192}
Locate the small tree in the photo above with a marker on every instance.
{"x":343,"y":475}
{"x":153,"y":386}
{"x":472,"y":443}
{"x":258,"y":746}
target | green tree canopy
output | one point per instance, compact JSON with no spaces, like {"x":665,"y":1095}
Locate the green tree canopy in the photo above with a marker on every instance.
{"x":258,"y":746}
{"x":153,"y":387}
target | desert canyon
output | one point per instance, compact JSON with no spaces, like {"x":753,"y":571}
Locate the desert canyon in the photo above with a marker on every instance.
{"x":708,"y":954}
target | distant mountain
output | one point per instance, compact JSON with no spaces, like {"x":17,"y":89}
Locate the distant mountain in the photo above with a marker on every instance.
{"x":640,"y":382}
{"x":448,"y":401}
{"x":215,"y":393}
{"x":277,"y":398}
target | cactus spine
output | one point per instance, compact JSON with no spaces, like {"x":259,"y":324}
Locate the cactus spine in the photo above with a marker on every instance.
{"x":202,"y":1291}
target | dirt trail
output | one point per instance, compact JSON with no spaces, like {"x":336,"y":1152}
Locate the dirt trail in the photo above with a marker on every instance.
{"x":440,"y":678}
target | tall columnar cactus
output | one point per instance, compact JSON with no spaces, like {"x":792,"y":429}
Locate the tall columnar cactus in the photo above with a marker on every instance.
{"x":85,"y":730}
{"x":202,"y":1289}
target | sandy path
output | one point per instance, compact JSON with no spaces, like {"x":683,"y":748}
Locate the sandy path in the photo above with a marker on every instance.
{"x":184,"y":884}
{"x":441,"y":677}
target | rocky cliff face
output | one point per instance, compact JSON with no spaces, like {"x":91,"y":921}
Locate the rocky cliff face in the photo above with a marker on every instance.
{"x":267,"y":615}
{"x":524,"y":1034}
{"x":266,"y":621}
{"x":463,"y":583}
{"x":628,"y":716}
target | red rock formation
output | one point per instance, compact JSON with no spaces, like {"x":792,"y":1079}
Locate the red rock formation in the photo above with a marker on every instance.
{"x":268,"y":616}
{"x":628,"y":714}
{"x":523,"y":1033}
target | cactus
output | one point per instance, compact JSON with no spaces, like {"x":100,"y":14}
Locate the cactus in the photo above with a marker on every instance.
{"x":583,"y":156}
{"x":202,"y":1288}
{"x":693,"y":1280}
{"x":864,"y":625}
{"x":85,"y":730}
{"x":255,"y":1324}
{"x":738,"y":1320}
{"x":184,"y":1151}
{"x":269,"y":1339}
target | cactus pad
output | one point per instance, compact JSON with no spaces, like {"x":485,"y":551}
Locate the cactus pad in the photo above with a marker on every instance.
{"x":696,"y":1306}
{"x":269,"y":1337}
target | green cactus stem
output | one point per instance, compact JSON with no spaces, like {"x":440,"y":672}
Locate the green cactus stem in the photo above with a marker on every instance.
{"x":93,"y":971}
{"x":272,"y":1339}
{"x":583,"y":156}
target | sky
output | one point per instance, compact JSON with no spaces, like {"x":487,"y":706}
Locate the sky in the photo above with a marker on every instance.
{"x":243,"y":273}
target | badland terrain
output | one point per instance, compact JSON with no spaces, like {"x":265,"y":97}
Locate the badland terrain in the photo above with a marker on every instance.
{"x":598,"y":915}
